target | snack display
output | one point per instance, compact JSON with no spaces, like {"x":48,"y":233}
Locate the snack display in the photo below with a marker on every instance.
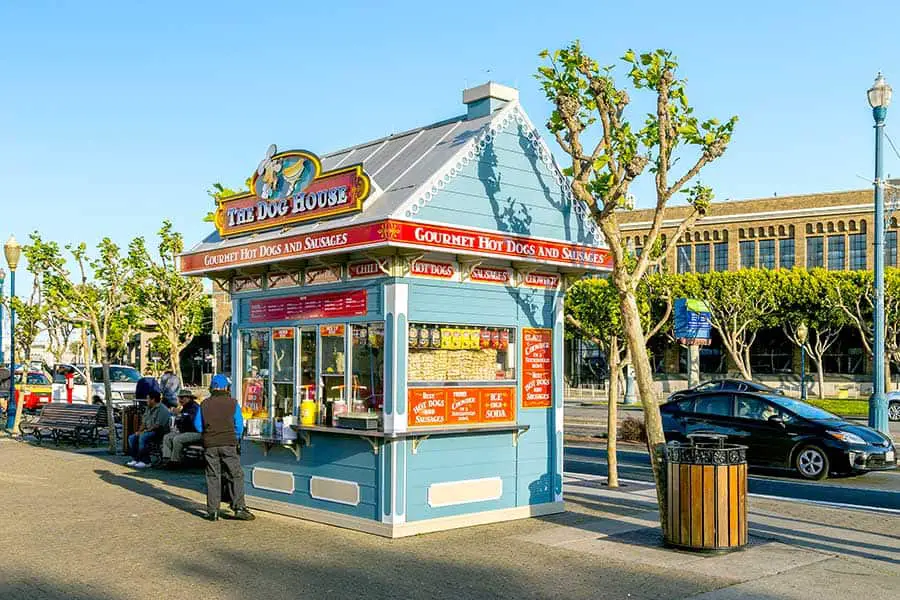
{"x":459,"y":353}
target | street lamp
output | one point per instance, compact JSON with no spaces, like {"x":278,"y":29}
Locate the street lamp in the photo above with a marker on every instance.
{"x":2,"y":281}
{"x":879,"y":99}
{"x":12,"y":250}
{"x":802,"y":336}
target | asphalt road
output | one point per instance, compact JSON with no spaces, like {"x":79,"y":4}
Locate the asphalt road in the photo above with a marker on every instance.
{"x":879,"y":490}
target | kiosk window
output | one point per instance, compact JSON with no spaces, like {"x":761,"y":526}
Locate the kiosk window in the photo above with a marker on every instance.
{"x":332,"y":361}
{"x":255,"y":372}
{"x":368,"y":366}
{"x":283,"y":371}
{"x":440,"y":353}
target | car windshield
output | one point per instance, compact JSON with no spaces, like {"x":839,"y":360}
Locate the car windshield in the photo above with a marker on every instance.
{"x":37,"y":379}
{"x":802,"y":409}
{"x":116,"y":374}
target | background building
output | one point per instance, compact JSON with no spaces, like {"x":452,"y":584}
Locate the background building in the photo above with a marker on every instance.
{"x":829,"y":230}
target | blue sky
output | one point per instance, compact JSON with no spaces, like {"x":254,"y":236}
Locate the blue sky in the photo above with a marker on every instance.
{"x":116,"y":115}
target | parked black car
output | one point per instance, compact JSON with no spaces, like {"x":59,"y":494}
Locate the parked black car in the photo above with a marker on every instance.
{"x":780,"y":432}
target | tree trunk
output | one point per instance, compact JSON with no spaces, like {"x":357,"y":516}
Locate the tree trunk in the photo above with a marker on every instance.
{"x":820,"y":373}
{"x":107,"y":388}
{"x":637,"y":346}
{"x":612,"y":428}
{"x":175,"y":358}
{"x":86,"y":353}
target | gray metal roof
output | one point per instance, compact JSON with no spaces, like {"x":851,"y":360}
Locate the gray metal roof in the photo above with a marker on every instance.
{"x":397,"y":165}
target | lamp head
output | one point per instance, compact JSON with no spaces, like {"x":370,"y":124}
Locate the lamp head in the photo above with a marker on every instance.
{"x":802,"y":333}
{"x":879,"y":97}
{"x":12,"y":250}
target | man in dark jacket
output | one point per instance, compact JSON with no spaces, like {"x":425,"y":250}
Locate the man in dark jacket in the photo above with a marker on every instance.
{"x":220,"y":422}
{"x":184,"y":433}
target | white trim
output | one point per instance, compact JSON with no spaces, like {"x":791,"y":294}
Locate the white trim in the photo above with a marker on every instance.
{"x":346,"y":156}
{"x":404,"y":529}
{"x":353,"y":484}
{"x":271,"y":489}
{"x":759,"y":216}
{"x":465,"y":482}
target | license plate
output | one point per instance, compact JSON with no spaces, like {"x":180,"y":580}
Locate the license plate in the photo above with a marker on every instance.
{"x":889,"y":456}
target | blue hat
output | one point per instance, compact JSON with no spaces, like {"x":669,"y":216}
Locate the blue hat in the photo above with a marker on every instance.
{"x":219,"y":382}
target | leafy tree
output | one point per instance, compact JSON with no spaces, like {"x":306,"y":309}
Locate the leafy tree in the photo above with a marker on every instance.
{"x":741,"y":303}
{"x":173,"y":302}
{"x":59,"y":331}
{"x":853,"y":292}
{"x":583,"y":94}
{"x":803,"y":298}
{"x":593,"y":309}
{"x":95,"y":295}
{"x":219,"y":192}
{"x":29,"y":320}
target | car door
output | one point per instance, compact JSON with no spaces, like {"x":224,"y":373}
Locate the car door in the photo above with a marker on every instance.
{"x":711,"y":413}
{"x":768,"y":440}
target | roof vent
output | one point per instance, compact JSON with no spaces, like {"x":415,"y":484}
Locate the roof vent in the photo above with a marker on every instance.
{"x":484,"y":99}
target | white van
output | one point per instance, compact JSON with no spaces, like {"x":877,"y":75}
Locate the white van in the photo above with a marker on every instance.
{"x":123,"y":380}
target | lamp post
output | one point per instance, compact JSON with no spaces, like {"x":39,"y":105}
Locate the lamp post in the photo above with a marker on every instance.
{"x":2,"y":281}
{"x":802,"y":335}
{"x":12,"y":250}
{"x":879,"y":99}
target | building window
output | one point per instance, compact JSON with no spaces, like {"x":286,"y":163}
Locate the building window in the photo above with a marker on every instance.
{"x":767,"y":254}
{"x":890,"y":249}
{"x":701,"y":258}
{"x":721,"y":250}
{"x":684,"y":259}
{"x":835,"y":252}
{"x":857,"y":251}
{"x":786,"y":253}
{"x":748,"y":255}
{"x":771,"y":353}
{"x":814,"y":252}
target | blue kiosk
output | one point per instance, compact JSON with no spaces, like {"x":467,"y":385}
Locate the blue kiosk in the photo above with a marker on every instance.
{"x":398,"y":323}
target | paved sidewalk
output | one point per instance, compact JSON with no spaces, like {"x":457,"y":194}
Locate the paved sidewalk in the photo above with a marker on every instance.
{"x":81,"y":525}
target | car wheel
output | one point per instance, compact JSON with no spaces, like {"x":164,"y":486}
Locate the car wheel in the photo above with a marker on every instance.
{"x":812,"y":463}
{"x":894,"y":411}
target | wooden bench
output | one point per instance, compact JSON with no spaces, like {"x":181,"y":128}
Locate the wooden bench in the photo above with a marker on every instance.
{"x":67,"y":421}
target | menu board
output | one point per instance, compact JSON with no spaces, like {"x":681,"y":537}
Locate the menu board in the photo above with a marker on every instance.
{"x":436,"y":406}
{"x":310,"y":306}
{"x":537,"y":368}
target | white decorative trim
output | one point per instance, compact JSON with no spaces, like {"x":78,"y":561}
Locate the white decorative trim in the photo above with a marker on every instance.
{"x":404,"y":529}
{"x":271,"y":489}
{"x":510,"y":114}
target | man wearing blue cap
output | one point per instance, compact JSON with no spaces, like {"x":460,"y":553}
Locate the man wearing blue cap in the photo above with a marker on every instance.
{"x":220,"y":422}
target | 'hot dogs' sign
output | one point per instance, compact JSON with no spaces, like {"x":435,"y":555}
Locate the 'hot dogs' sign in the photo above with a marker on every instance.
{"x":537,"y":368}
{"x":437,"y":406}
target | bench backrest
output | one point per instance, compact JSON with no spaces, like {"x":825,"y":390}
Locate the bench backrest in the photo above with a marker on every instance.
{"x":69,"y":414}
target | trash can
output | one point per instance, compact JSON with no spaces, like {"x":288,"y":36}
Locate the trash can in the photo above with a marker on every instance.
{"x":706,"y":495}
{"x":131,"y":422}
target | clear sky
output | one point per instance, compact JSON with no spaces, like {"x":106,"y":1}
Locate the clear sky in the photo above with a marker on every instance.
{"x":116,"y":115}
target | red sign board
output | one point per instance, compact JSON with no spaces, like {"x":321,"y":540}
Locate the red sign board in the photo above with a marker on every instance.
{"x":438,"y":270}
{"x":361,"y":270}
{"x":430,"y":407}
{"x":290,"y":187}
{"x":491,"y":275}
{"x":397,"y":233}
{"x":537,"y":368}
{"x":285,"y":333}
{"x":310,"y":306}
{"x":547,"y":281}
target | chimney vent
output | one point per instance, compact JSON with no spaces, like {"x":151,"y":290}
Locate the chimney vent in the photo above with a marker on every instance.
{"x":484,"y":99}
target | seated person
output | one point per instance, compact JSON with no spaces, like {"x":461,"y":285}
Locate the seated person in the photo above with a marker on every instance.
{"x":154,"y":424}
{"x":185,"y":433}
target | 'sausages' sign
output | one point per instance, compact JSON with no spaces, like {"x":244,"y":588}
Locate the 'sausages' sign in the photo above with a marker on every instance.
{"x":290,"y":187}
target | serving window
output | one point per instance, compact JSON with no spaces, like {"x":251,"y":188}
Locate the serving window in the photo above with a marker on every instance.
{"x":440,"y":353}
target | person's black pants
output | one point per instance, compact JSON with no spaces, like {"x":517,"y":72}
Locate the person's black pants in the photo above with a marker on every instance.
{"x":224,"y":461}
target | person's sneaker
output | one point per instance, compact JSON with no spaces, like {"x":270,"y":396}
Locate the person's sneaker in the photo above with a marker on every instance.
{"x":131,"y":463}
{"x":140,"y":465}
{"x":243,"y":515}
{"x":211,"y":516}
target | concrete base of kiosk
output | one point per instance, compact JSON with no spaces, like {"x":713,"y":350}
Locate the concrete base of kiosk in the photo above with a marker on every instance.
{"x":399,"y":530}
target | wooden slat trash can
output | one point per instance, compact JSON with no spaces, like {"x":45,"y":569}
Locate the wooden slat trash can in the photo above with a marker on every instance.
{"x":706,"y":495}
{"x":131,"y":422}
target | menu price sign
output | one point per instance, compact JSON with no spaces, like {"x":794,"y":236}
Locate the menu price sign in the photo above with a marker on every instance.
{"x":537,"y":368}
{"x":431,"y":407}
{"x":310,"y":306}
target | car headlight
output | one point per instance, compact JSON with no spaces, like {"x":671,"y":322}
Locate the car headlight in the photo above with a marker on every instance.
{"x":846,"y":436}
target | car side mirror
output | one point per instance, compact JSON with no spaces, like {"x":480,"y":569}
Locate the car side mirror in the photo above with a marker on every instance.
{"x":777,"y":419}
